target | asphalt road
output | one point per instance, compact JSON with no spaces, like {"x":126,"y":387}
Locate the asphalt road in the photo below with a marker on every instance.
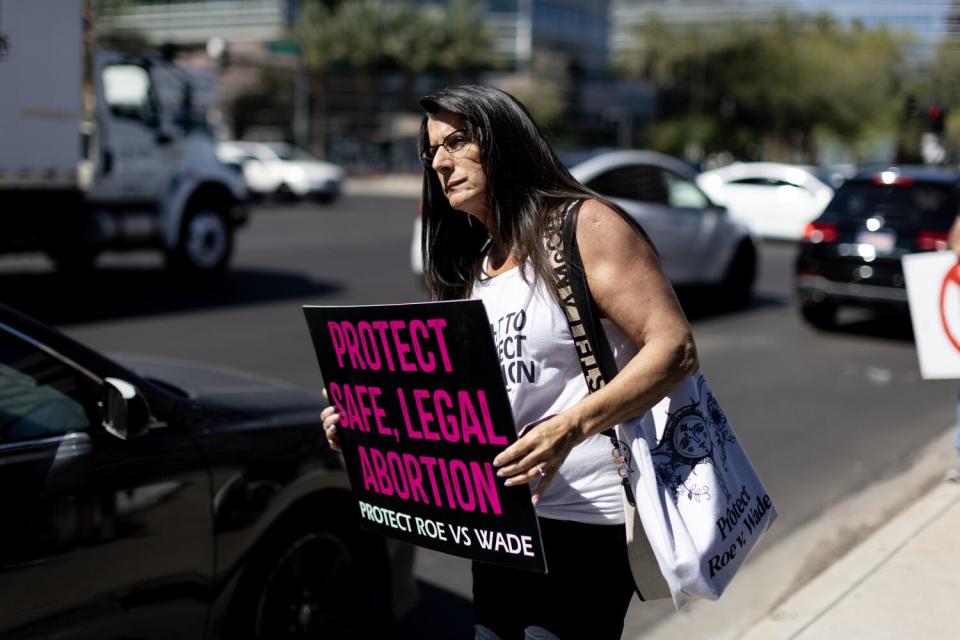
{"x":822,"y":415}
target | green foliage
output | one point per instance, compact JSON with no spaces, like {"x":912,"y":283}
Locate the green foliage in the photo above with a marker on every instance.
{"x":370,"y":34}
{"x":416,"y":37}
{"x":946,"y":73}
{"x":543,"y":98}
{"x":316,"y":34}
{"x":748,"y":84}
{"x":466,"y":45}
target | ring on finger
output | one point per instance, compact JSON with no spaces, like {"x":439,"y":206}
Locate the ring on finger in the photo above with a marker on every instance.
{"x":540,"y":469}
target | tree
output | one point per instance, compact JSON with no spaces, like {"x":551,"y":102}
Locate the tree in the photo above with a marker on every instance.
{"x":320,"y":47}
{"x":370,"y":36}
{"x":415,"y":42}
{"x":467,"y":44}
{"x":745,"y":86}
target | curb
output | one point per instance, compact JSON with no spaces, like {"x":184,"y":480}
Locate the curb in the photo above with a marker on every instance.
{"x":401,"y":185}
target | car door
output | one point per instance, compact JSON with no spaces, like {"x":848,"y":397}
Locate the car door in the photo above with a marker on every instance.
{"x":138,"y":150}
{"x":774,"y":207}
{"x":100,"y":537}
{"x":678,"y":217}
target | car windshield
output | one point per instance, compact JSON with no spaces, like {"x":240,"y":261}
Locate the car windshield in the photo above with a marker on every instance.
{"x":925,"y":199}
{"x":290,"y":152}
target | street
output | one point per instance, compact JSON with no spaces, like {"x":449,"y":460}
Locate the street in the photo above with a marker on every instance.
{"x":823,"y":416}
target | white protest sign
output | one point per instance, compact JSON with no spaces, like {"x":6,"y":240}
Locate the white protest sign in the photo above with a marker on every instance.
{"x":933,"y":290}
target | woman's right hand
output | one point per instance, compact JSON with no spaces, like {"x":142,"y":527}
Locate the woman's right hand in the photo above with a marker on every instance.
{"x":330,"y":421}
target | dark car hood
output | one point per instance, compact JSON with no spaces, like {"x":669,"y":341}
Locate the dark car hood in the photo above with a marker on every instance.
{"x":223,"y":386}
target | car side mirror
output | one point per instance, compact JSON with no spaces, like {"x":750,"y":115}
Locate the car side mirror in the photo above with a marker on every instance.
{"x":123,"y":409}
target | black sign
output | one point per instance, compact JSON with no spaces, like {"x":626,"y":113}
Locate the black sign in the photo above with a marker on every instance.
{"x":423,"y":412}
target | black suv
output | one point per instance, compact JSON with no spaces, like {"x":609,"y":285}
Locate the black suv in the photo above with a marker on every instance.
{"x":851,"y":254}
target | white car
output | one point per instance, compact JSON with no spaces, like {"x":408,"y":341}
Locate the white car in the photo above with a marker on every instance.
{"x":698,"y":242}
{"x":775,"y":200}
{"x":282,"y":170}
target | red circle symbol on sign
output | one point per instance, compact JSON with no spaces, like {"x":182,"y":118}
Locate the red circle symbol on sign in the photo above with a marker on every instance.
{"x":952,"y":277}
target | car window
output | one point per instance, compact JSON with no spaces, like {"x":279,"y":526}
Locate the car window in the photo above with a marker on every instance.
{"x":289,"y":152}
{"x":126,"y":88}
{"x":684,"y":194}
{"x":765,"y":182}
{"x":283,"y":151}
{"x":640,"y":182}
{"x":40,"y":396}
{"x":265,"y":153}
{"x":927,"y":200}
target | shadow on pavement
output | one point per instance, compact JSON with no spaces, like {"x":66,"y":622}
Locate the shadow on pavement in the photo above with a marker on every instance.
{"x":439,"y":615}
{"x":111,"y":293}
{"x":892,"y":326}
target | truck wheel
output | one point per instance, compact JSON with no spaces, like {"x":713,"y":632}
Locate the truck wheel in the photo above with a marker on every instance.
{"x":206,"y":243}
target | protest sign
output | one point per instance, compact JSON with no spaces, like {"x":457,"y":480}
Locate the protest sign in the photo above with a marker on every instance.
{"x":423,"y":412}
{"x":933,"y":290}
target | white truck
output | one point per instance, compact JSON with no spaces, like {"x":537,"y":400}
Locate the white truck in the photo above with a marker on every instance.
{"x":127,"y":163}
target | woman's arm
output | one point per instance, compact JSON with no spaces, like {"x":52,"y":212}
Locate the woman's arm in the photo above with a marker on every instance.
{"x":630,"y":289}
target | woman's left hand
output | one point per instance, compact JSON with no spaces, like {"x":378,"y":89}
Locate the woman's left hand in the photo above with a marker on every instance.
{"x":538,"y":454}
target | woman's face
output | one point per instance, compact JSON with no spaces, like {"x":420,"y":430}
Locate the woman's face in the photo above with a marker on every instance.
{"x":460,"y":172}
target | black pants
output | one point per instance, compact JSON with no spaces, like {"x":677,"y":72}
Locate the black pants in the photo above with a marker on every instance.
{"x":585,"y":593}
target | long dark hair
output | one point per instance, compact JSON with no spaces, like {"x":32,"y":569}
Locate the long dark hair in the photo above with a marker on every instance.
{"x":526,"y":185}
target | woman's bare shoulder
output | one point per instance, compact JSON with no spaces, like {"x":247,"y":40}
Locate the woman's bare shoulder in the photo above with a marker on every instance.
{"x":600,"y":225}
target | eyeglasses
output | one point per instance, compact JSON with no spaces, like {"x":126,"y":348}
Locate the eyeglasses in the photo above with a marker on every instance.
{"x":453,"y":142}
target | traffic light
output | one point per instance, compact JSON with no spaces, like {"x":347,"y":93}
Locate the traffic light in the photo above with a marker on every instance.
{"x":935,"y":117}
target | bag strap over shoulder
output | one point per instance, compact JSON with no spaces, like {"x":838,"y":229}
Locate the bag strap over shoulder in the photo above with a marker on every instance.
{"x":583,"y":299}
{"x":583,"y":317}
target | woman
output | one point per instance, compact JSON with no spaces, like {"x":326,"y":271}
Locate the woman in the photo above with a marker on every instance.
{"x":492,"y":187}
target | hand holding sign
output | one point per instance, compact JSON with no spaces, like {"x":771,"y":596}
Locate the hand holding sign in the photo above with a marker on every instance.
{"x":539,"y":452}
{"x":330,"y":420}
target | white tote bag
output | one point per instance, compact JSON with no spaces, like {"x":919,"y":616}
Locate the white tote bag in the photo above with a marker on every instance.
{"x":702,"y":505}
{"x":700,"y":502}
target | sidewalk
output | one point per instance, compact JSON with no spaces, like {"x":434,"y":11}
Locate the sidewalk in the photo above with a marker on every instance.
{"x":401,"y":185}
{"x":901,"y":582}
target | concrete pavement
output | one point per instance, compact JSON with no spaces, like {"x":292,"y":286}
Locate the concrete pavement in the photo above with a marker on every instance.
{"x":901,"y":582}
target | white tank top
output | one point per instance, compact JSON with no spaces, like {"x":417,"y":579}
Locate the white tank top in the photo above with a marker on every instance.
{"x":543,"y":377}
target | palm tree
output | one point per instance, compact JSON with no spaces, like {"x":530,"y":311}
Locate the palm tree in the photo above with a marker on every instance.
{"x":362,"y":26}
{"x":416,"y":43}
{"x":467,"y":44}
{"x":320,"y":45}
{"x":370,"y":34}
